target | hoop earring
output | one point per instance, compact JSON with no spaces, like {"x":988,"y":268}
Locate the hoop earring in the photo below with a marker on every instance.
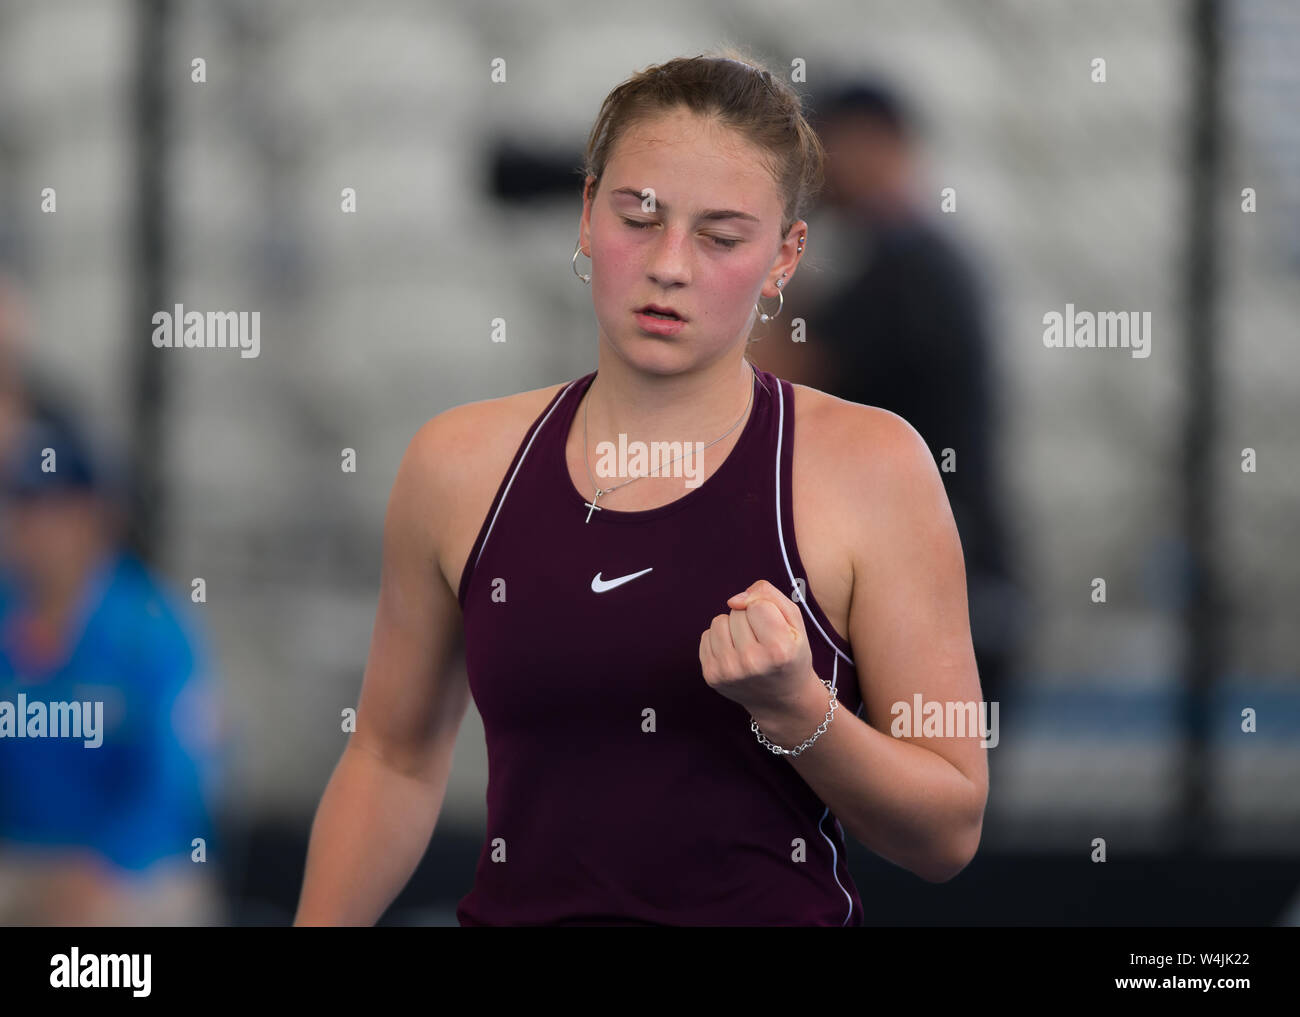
{"x":764,"y":316}
{"x":576,"y":251}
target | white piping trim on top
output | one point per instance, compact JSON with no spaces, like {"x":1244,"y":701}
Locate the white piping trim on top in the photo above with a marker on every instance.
{"x":536,"y":431}
{"x":835,"y":667}
{"x":780,"y":434}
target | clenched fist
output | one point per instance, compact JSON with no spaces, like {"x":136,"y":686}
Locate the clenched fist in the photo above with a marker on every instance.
{"x":758,"y":655}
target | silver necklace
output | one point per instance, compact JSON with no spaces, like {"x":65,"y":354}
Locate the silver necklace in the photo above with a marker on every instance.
{"x":591,"y":506}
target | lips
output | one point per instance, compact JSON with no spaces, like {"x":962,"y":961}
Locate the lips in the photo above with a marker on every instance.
{"x":662,"y":309}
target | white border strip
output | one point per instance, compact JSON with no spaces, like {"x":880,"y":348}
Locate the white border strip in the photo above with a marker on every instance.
{"x":780,"y":434}
{"x":536,"y":431}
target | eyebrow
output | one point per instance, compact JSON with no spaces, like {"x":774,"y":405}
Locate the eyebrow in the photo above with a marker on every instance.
{"x":708,"y":213}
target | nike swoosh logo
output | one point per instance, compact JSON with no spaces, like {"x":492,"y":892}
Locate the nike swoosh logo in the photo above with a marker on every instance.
{"x":599,"y":585}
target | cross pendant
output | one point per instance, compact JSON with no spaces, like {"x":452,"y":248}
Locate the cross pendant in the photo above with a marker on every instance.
{"x":591,"y":505}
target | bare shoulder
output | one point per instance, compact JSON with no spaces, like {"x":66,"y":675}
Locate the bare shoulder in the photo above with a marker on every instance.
{"x":870,"y":460}
{"x":838,"y":428}
{"x":460,"y":457}
{"x":463,"y":434}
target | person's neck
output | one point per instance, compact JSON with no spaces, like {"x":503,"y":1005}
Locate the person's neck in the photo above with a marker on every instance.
{"x":696,"y":406}
{"x":51,"y":604}
{"x":56,"y":597}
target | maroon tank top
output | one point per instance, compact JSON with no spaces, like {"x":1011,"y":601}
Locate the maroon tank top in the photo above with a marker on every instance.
{"x":621,"y":788}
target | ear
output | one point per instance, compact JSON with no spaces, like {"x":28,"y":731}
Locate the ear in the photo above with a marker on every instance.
{"x":584,"y":222}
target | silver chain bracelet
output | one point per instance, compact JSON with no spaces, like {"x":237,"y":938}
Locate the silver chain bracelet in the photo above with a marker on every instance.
{"x":776,"y":749}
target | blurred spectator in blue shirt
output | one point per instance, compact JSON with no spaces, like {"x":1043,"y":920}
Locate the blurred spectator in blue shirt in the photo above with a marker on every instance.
{"x":120,"y":832}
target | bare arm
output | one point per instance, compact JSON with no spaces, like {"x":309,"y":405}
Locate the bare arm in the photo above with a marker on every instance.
{"x":915,"y":799}
{"x":382,"y":801}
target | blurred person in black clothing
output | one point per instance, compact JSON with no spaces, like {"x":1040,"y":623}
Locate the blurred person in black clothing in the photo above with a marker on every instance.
{"x":907,"y":331}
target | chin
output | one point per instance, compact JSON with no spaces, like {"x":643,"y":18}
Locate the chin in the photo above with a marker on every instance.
{"x":654,"y":355}
{"x":661,"y":355}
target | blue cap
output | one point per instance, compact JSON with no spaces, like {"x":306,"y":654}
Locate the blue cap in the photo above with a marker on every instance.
{"x":52,"y":457}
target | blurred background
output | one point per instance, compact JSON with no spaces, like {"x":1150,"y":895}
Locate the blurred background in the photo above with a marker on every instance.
{"x":209,"y":569}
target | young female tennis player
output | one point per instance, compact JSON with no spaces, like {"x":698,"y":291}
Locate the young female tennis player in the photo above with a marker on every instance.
{"x":688,"y":677}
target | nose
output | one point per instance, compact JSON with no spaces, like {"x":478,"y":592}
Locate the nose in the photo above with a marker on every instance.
{"x":669,"y":257}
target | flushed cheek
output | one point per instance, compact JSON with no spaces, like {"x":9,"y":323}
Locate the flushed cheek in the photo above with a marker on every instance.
{"x":620,"y":263}
{"x":618,"y":267}
{"x":730,"y":293}
{"x":720,"y":291}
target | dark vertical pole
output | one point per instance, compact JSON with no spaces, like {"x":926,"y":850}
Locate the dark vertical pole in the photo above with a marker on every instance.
{"x":155,"y":70}
{"x":1202,"y":611}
